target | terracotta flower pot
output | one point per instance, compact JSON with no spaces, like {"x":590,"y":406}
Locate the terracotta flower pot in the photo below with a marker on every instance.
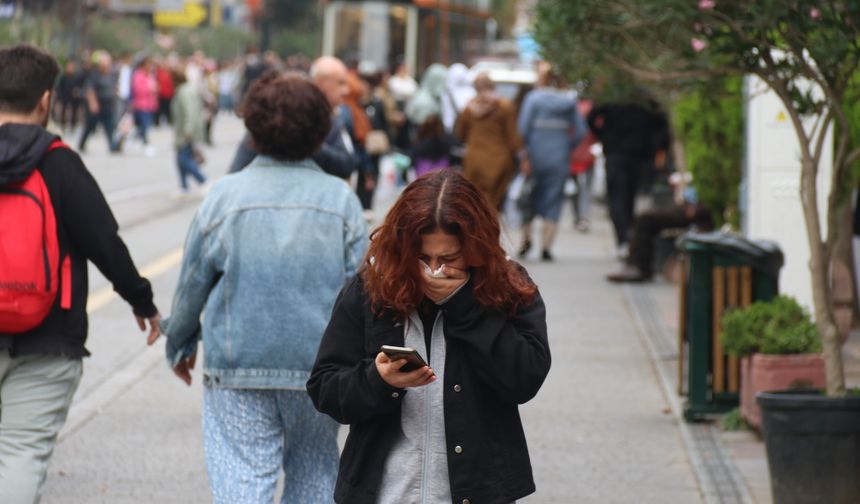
{"x":763,"y":373}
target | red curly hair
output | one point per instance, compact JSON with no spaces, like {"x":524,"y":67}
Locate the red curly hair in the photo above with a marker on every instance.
{"x":441,"y":200}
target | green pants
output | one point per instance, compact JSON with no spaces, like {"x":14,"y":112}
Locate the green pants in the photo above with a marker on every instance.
{"x":35,"y":394}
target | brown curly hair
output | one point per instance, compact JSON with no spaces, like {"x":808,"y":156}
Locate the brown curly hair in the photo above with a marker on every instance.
{"x":287,"y":115}
{"x":441,"y":200}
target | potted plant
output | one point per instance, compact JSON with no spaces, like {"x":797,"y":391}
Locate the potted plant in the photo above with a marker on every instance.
{"x":779,"y":349}
{"x":813,"y":439}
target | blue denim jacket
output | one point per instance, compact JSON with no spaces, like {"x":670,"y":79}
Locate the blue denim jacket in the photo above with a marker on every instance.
{"x":266,"y":255}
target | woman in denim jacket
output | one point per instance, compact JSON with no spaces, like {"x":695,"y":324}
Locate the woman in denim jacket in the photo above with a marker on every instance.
{"x":266,"y":255}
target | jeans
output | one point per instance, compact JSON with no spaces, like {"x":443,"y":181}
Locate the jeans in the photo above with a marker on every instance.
{"x":105,"y":117}
{"x":35,"y":394}
{"x":188,"y":166}
{"x":250,"y":433}
{"x":143,"y":119}
{"x":164,"y":111}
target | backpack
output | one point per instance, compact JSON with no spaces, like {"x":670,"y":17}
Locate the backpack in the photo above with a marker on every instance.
{"x":30,"y":254}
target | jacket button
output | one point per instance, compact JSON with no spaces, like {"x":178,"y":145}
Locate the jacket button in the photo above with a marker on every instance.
{"x":466,"y":501}
{"x":395,"y":395}
{"x":458,"y":449}
{"x":458,"y":388}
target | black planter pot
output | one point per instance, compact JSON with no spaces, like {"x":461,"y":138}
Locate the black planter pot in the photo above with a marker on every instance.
{"x":813,"y":447}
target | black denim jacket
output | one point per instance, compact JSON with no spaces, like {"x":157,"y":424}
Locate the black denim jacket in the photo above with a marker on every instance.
{"x":494,"y":362}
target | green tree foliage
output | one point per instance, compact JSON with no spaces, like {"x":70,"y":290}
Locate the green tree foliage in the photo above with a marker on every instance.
{"x":42,"y":30}
{"x":294,"y":26}
{"x":775,"y":327}
{"x":709,"y":122}
{"x":219,"y":42}
{"x":287,"y":42}
{"x":788,"y":44}
{"x":119,"y":34}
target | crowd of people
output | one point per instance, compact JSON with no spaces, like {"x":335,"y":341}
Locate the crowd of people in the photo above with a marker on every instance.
{"x":299,"y":298}
{"x":133,"y":93}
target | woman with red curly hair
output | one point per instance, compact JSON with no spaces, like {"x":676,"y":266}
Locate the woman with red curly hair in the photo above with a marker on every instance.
{"x":435,"y":279}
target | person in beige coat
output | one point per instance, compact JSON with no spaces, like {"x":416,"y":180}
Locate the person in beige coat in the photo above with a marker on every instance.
{"x":488,"y":127}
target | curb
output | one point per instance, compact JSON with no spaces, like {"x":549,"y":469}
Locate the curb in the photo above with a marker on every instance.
{"x":719,"y":479}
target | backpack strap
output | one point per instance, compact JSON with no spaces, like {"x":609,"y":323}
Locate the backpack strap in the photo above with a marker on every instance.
{"x":66,"y":262}
{"x":57,"y":144}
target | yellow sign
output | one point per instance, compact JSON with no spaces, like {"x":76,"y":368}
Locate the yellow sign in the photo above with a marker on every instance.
{"x":781,"y":117}
{"x":191,"y":15}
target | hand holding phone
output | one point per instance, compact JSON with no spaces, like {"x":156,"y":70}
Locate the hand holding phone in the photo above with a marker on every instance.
{"x":413,"y":358}
{"x":392,"y":362}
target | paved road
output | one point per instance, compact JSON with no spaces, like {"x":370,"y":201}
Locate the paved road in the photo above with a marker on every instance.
{"x":599,"y":432}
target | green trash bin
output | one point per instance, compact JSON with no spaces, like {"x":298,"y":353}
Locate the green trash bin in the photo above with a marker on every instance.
{"x":724,"y":271}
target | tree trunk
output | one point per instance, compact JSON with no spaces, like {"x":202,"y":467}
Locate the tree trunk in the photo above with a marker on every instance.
{"x":821,"y":294}
{"x":842,"y":273}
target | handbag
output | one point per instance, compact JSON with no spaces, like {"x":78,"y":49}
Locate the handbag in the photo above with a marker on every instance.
{"x":199,"y":158}
{"x":376,"y":143}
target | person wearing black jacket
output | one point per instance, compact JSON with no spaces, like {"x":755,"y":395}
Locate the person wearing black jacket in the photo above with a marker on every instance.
{"x":435,"y":279}
{"x":41,"y":368}
{"x":635,"y":138}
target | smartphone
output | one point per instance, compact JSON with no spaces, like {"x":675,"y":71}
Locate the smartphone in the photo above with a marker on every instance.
{"x":413,"y":358}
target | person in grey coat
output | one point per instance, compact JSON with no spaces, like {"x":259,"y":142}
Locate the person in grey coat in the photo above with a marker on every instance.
{"x":551,"y":127}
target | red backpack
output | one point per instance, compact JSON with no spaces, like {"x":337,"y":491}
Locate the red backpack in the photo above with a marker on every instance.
{"x":30,"y":254}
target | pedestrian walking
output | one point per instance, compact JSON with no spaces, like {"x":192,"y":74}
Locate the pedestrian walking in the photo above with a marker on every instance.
{"x":378,"y":106}
{"x":436,"y":280}
{"x":266,"y":255}
{"x":144,"y":101}
{"x":166,"y":92}
{"x":427,"y":101}
{"x":488,"y":127}
{"x":228,"y":83}
{"x":101,"y":96}
{"x":187,"y":113}
{"x":431,"y":149}
{"x":402,"y":87}
{"x":635,"y":137}
{"x":69,"y":97}
{"x":582,"y":171}
{"x":358,"y":127}
{"x":551,"y":127}
{"x":62,"y":220}
{"x":459,"y":90}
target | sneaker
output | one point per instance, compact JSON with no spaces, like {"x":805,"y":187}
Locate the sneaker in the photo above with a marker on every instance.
{"x":583,"y":226}
{"x":524,"y":250}
{"x":546,"y":256}
{"x":628,"y":273}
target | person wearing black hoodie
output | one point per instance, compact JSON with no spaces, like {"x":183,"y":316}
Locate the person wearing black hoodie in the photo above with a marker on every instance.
{"x":40,"y":368}
{"x":635,"y":138}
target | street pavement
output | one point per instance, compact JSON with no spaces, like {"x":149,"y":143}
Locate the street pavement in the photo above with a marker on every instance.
{"x":601,"y":429}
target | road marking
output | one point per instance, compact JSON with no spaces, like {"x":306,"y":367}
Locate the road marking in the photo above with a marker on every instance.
{"x":100,"y":298}
{"x":134,"y":192}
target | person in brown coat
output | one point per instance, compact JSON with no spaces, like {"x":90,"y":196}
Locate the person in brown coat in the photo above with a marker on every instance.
{"x":488,"y":127}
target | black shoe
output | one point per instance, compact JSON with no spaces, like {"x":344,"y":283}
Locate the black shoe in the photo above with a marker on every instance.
{"x":628,"y":274}
{"x":546,"y":256}
{"x":524,"y":250}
